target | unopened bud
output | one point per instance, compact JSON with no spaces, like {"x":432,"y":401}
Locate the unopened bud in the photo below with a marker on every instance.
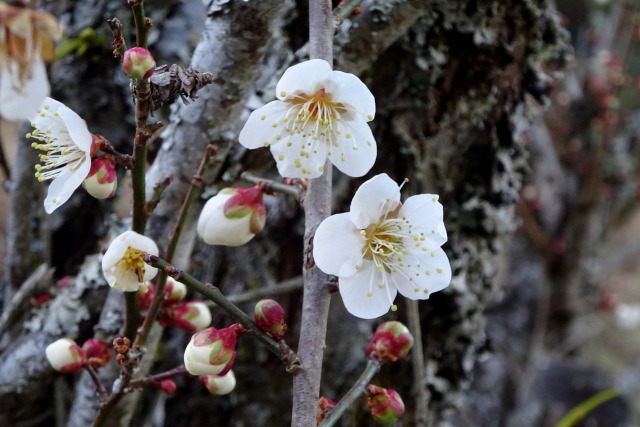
{"x":324,"y":406}
{"x":65,"y":355}
{"x":269,"y":316}
{"x":167,"y":386}
{"x":219,"y":384}
{"x":391,"y":341}
{"x":386,"y":405}
{"x":192,"y":316}
{"x":174,"y":291}
{"x":97,"y":351}
{"x":145,"y":296}
{"x":138,"y":63}
{"x":212,"y":351}
{"x":232,"y":217}
{"x":102,"y":181}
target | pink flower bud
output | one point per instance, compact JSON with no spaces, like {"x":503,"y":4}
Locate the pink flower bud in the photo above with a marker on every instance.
{"x":391,"y":341}
{"x":324,"y":406}
{"x":65,"y":355}
{"x":192,"y":316}
{"x":145,"y":296}
{"x":232,"y":217}
{"x":269,"y":316}
{"x":138,"y":63}
{"x":174,"y":291}
{"x":102,"y":181}
{"x":219,"y":384}
{"x":386,"y":405}
{"x":167,"y":386}
{"x":97,"y":351}
{"x":212,"y":351}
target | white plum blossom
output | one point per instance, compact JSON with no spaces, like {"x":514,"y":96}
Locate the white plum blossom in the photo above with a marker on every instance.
{"x":382,"y":247}
{"x":21,"y":101}
{"x":319,"y":113}
{"x":122,"y":264}
{"x":66,"y":142}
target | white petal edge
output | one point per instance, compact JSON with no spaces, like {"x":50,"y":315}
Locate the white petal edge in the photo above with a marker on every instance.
{"x":426,"y":215}
{"x":355,"y":155}
{"x":336,"y":240}
{"x":257,"y":131}
{"x":370,"y":201}
{"x":65,"y":184}
{"x":349,"y":89}
{"x":354,"y":290}
{"x":76,"y":127}
{"x":18,"y":105}
{"x":290,"y":162}
{"x":434,"y":281}
{"x":306,"y":77}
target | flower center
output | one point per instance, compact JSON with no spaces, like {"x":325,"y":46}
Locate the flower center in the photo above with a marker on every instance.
{"x":61,"y":153}
{"x":318,"y":108}
{"x":130,"y":269}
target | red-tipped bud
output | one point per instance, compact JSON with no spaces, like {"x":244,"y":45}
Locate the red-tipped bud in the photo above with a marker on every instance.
{"x":40,"y":299}
{"x":324,"y":406}
{"x":145,"y":296}
{"x":391,"y":341}
{"x":102,"y":180}
{"x":232,"y":217}
{"x":269,"y":316}
{"x":65,"y":355}
{"x":219,"y":384}
{"x":167,"y":386}
{"x":97,"y":351}
{"x":174,"y":291}
{"x":212,"y":351}
{"x":192,"y":316}
{"x":386,"y":405}
{"x":138,"y":63}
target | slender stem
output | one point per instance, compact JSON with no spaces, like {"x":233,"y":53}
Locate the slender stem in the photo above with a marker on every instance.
{"x":316,"y":296}
{"x":158,"y":189}
{"x":151,"y":379}
{"x":280,"y":348}
{"x":358,"y":389}
{"x":281,"y":288}
{"x":417,"y":362}
{"x":345,"y":8}
{"x":102,"y":392}
{"x":192,"y":194}
{"x":141,"y":21}
{"x":272,"y":186}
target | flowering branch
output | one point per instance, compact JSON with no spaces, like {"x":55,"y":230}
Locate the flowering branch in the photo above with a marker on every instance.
{"x":192,"y":194}
{"x":317,"y":205}
{"x":358,"y":389}
{"x":280,"y":348}
{"x":273,"y":186}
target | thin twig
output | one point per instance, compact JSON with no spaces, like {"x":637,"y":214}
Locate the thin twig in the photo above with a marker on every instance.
{"x":417,"y":362}
{"x":281,"y":288}
{"x":154,"y":379}
{"x":28,"y":287}
{"x":192,"y":194}
{"x":158,"y":189}
{"x":344,"y":9}
{"x":273,"y":186}
{"x":358,"y":389}
{"x":280,"y":348}
{"x":102,"y":392}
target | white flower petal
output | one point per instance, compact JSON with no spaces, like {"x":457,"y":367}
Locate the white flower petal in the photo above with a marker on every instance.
{"x":426,"y":215}
{"x":259,"y":127}
{"x":300,"y":157}
{"x":335,"y":241}
{"x":307,"y":77}
{"x":354,"y":291}
{"x":349,"y":89}
{"x":370,"y":203}
{"x":22,"y":103}
{"x":76,"y":127}
{"x":125,"y":279}
{"x":429,"y":270}
{"x":354,"y":151}
{"x":61,"y":188}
